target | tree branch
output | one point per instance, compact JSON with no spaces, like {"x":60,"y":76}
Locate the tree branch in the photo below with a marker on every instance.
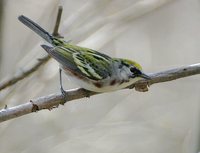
{"x":40,"y":62}
{"x":54,"y":100}
{"x":24,"y":74}
{"x":57,"y":24}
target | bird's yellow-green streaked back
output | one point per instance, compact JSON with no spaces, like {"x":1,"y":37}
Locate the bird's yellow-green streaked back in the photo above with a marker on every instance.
{"x":87,"y":62}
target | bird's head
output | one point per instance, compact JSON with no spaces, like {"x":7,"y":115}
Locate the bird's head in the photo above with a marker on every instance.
{"x":133,"y":69}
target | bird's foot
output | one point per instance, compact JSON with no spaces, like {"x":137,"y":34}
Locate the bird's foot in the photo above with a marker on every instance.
{"x":64,"y":94}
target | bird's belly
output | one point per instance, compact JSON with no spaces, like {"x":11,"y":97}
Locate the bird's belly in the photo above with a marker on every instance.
{"x":99,"y":86}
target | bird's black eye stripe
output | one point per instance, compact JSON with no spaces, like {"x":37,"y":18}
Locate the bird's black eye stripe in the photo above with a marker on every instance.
{"x":134,"y":70}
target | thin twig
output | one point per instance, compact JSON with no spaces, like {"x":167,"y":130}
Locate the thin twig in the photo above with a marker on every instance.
{"x":58,"y":18}
{"x":40,"y":62}
{"x":25,"y":74}
{"x":54,"y":100}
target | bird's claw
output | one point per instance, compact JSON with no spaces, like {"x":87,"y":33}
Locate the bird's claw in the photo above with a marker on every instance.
{"x":64,"y":94}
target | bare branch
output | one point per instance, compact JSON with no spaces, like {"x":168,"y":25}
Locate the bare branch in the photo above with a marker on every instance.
{"x":53,"y":101}
{"x":56,"y":27}
{"x":25,"y":74}
{"x":40,"y":62}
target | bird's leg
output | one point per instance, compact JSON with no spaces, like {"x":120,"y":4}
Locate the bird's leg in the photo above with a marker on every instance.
{"x":61,"y":86}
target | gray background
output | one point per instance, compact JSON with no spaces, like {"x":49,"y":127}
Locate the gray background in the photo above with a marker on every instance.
{"x":159,"y":34}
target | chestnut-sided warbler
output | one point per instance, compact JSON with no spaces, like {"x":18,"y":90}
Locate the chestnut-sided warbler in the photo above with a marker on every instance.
{"x":88,"y":68}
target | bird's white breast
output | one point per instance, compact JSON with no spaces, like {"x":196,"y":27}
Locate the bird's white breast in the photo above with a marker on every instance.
{"x":100,"y":86}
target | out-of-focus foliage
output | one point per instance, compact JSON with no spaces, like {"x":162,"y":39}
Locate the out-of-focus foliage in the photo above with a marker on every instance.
{"x":159,"y":34}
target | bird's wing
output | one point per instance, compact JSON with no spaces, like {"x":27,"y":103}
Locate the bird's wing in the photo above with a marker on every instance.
{"x":83,"y":61}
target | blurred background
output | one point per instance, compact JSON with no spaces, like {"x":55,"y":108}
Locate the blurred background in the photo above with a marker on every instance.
{"x":159,"y":34}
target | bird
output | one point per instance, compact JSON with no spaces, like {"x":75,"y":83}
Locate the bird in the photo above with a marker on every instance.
{"x":88,"y":68}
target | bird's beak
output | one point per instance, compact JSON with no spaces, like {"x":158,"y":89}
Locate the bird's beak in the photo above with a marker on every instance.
{"x":145,"y":76}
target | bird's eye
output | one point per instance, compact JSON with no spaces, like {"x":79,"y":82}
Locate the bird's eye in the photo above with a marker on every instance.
{"x":134,"y":70}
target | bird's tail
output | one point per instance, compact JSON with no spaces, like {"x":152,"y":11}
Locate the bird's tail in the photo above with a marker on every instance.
{"x":36,"y":28}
